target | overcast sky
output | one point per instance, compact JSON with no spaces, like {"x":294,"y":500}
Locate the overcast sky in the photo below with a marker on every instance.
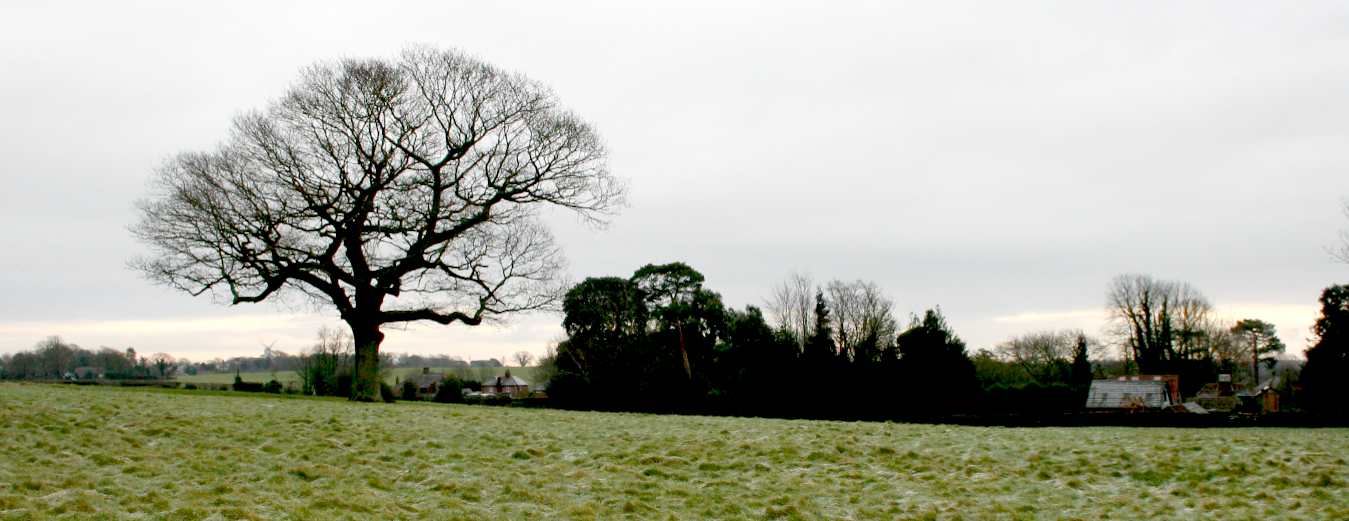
{"x":1002,"y":160}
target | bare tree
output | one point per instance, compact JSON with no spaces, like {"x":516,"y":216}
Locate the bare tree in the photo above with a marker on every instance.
{"x":792,"y":304}
{"x":1156,"y":321}
{"x":863,"y":320}
{"x":392,"y":190}
{"x":319,"y":367}
{"x":56,"y":356}
{"x":1043,"y":355}
{"x":163,"y":363}
{"x":523,"y":358}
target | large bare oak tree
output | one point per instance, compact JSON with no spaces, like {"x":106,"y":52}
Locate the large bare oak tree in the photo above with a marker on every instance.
{"x":395,"y":190}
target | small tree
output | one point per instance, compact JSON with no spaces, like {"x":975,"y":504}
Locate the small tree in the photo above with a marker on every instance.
{"x":523,"y":358}
{"x":820,"y":352}
{"x":1081,"y":366}
{"x":329,"y":357}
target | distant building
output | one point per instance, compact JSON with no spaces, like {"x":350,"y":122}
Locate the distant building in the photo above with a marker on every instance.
{"x":506,"y":384}
{"x":1134,"y":393}
{"x":1263,"y":399}
{"x":427,"y":382}
{"x":1220,"y":396}
{"x":491,"y":362}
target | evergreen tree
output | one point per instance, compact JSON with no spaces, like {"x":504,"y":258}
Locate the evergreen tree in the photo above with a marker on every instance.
{"x":1260,"y":338}
{"x":1328,"y":359}
{"x":934,"y":367}
{"x":820,"y":351}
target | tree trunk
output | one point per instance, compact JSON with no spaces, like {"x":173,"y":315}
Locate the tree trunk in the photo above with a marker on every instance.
{"x":688,"y":371}
{"x":365,"y":374}
{"x":1255,"y":363}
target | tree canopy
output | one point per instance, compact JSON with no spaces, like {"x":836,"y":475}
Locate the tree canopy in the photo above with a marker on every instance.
{"x":392,"y":191}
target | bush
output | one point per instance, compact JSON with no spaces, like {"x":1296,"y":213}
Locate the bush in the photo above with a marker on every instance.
{"x":451,"y":391}
{"x":248,"y":387}
{"x":273,"y":387}
{"x":386,"y":392}
{"x":343,"y":387}
{"x":190,"y":386}
{"x":1032,"y":399}
{"x":409,"y":390}
{"x":490,"y":399}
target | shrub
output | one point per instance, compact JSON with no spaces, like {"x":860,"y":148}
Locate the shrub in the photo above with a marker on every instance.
{"x":451,"y":391}
{"x":272,"y":386}
{"x":248,"y":387}
{"x":409,"y":390}
{"x":386,"y":392}
{"x":190,"y":386}
{"x":343,"y":387}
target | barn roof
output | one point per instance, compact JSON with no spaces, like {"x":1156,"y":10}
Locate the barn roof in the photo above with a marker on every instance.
{"x":1117,"y":394}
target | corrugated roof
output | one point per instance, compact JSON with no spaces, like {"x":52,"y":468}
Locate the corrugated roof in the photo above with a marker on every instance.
{"x":1115,"y":394}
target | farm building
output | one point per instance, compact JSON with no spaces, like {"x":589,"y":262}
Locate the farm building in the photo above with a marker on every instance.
{"x":506,"y":384}
{"x":1134,"y":393}
{"x":1225,"y":396}
{"x":1220,"y":396}
{"x":1263,"y":399}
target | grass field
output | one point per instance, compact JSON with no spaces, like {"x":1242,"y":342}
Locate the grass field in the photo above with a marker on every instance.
{"x":101,"y":452}
{"x":287,"y":377}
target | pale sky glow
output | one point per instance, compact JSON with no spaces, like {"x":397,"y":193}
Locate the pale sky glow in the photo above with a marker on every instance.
{"x":1002,"y":160}
{"x":1038,"y":317}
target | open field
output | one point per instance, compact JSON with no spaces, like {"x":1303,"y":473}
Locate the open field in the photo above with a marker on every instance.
{"x":101,"y":452}
{"x":286,"y":377}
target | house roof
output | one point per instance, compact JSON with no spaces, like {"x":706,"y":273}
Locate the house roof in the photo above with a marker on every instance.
{"x":1116,"y":394}
{"x":426,"y":379}
{"x":503,"y":381}
{"x":1267,"y":385}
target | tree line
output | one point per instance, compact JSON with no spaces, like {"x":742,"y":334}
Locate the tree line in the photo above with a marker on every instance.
{"x":55,"y":359}
{"x":659,"y":340}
